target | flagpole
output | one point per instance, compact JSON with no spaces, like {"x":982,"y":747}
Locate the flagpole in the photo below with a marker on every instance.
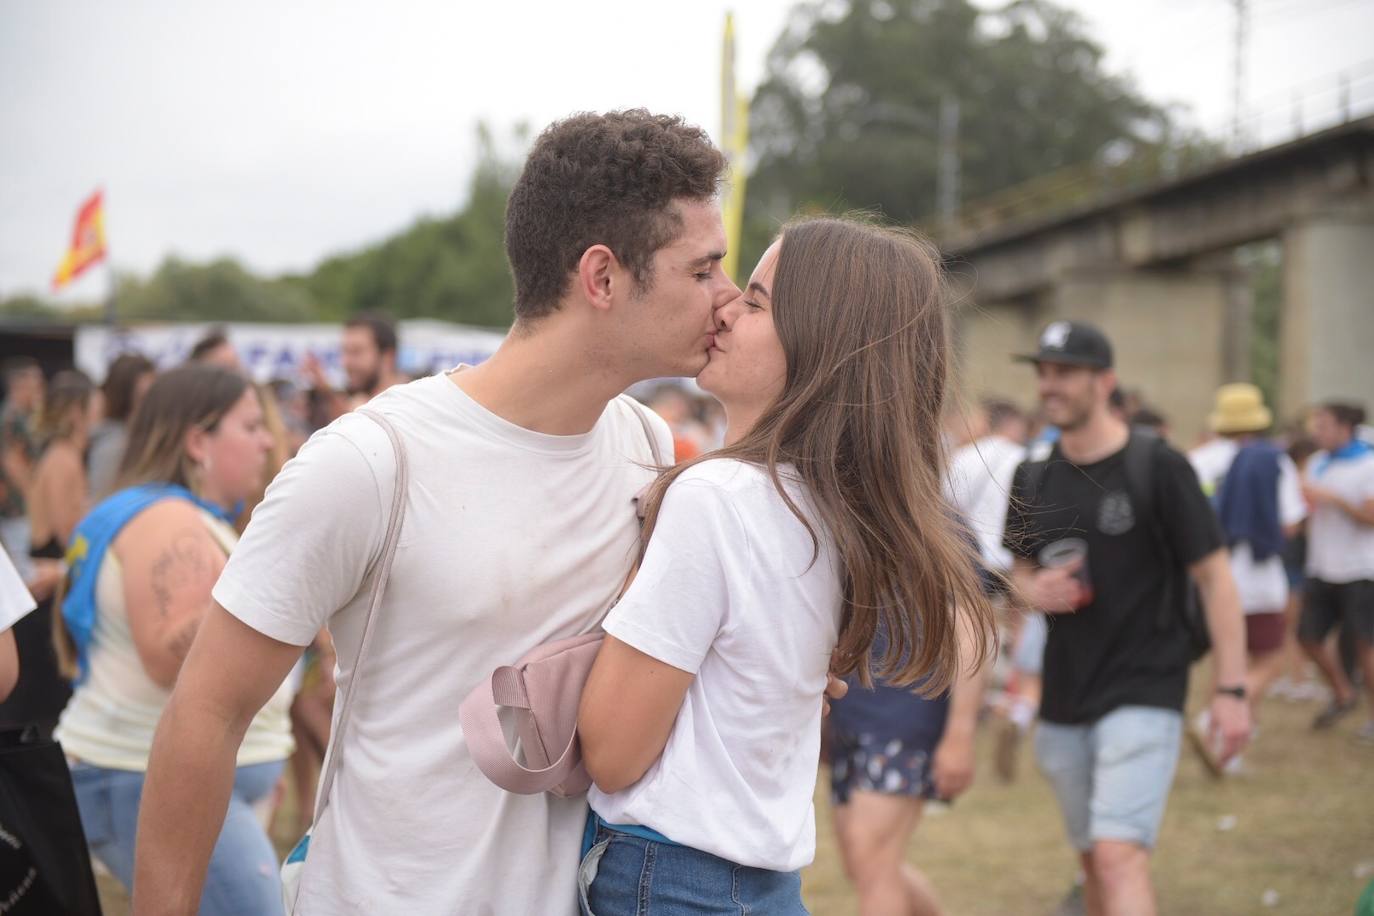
{"x":112,"y":289}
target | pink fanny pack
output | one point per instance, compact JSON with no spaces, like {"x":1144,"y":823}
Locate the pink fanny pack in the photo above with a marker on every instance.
{"x":543,"y":689}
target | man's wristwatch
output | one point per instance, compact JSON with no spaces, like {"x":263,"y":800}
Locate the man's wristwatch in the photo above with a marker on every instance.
{"x":1237,"y":692}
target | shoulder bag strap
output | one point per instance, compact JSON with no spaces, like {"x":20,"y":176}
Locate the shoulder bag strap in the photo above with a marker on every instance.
{"x":642,"y":413}
{"x":380,"y":575}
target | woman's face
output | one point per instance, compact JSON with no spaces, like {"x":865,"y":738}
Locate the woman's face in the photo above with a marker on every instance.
{"x":746,"y":368}
{"x":235,"y":453}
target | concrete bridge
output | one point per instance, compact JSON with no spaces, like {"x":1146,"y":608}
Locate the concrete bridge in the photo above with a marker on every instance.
{"x":1156,"y":269}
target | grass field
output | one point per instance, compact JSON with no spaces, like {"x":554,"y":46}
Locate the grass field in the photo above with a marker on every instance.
{"x":1304,"y":828}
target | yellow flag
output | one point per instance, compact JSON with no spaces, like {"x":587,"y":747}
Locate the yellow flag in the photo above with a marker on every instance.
{"x":734,"y":142}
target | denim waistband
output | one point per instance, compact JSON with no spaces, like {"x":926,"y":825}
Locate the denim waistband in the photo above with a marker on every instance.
{"x":595,"y":822}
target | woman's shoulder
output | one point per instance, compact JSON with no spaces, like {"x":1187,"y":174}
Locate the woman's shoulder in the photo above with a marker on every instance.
{"x":59,"y":457}
{"x":165,"y":522}
{"x":738,"y":482}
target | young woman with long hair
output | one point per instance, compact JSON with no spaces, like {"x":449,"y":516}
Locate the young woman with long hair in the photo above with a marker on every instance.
{"x":57,"y":500}
{"x":820,"y":524}
{"x":142,"y":566}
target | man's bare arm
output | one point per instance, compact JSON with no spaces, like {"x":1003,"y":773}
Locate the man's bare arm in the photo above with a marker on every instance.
{"x":1226,"y":625}
{"x":230,"y":672}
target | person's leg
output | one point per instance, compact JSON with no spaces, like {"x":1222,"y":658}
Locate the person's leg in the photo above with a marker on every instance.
{"x":1264,"y":641}
{"x":244,"y":874}
{"x":108,"y":803}
{"x":1064,"y":755}
{"x":1321,"y":613}
{"x":1122,"y":871}
{"x":873,"y":832}
{"x":1135,"y":753}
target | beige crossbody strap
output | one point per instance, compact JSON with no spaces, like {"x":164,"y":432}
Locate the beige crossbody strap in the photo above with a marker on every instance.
{"x":381,"y":573}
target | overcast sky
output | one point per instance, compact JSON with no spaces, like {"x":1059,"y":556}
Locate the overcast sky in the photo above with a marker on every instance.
{"x":282,"y":132}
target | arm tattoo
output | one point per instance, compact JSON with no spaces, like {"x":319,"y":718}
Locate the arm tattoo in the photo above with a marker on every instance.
{"x":181,"y":641}
{"x":182,"y":565}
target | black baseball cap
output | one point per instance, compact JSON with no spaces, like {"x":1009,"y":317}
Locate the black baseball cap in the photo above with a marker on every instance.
{"x":1071,"y":343}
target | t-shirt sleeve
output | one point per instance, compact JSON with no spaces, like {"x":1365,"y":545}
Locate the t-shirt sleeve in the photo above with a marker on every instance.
{"x":1189,"y":521}
{"x":678,"y":602}
{"x":315,"y":536}
{"x":1016,"y":529}
{"x":1292,"y":508}
{"x":15,"y":600}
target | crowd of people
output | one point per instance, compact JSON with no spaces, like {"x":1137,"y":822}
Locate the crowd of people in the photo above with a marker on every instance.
{"x":190,"y":547}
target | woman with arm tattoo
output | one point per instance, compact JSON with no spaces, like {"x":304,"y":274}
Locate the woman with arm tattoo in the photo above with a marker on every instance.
{"x":143,"y":563}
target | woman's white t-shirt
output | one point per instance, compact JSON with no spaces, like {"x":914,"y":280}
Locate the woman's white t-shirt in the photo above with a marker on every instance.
{"x":729,"y":592}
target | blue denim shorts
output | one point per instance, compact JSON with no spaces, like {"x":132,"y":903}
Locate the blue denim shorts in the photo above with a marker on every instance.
{"x":624,"y":875}
{"x":1112,"y":778}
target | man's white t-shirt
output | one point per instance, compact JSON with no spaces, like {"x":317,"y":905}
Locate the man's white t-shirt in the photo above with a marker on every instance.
{"x":1263,"y":587}
{"x":511,"y":539}
{"x":1340,"y":549}
{"x":728,"y":592}
{"x":15,"y":600}
{"x":980,"y":487}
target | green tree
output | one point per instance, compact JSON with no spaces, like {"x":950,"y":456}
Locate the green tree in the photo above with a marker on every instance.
{"x":219,"y":291}
{"x":452,"y":268}
{"x":847,"y":116}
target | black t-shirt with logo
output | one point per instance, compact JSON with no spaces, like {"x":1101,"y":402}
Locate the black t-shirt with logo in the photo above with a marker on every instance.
{"x":1114,"y":652}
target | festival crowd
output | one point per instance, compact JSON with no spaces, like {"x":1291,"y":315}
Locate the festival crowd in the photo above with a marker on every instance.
{"x":217,"y":588}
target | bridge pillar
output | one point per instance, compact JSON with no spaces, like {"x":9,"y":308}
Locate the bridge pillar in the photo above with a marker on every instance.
{"x":1326,"y":327}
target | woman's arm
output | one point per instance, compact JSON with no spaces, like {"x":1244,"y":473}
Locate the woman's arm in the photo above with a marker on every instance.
{"x":628,"y":708}
{"x":170,"y":564}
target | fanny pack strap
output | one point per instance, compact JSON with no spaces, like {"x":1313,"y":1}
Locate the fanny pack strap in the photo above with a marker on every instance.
{"x":380,"y":576}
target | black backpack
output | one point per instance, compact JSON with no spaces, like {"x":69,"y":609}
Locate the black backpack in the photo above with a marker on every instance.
{"x":1182,"y":604}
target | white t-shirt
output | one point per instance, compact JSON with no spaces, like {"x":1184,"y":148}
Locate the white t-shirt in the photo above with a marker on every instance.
{"x":15,"y":600}
{"x":728,"y":592}
{"x":1263,"y":587}
{"x":980,"y":487}
{"x":1340,"y":549}
{"x":512,"y":538}
{"x":1211,"y":460}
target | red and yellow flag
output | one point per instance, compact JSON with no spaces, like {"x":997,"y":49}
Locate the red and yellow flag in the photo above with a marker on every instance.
{"x":88,"y":242}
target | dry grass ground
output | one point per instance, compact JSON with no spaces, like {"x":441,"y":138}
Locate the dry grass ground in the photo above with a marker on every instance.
{"x":1304,"y":824}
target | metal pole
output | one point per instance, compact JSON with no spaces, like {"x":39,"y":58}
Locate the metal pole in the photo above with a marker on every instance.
{"x":947,"y":190}
{"x":1238,"y":77}
{"x":111,"y":293}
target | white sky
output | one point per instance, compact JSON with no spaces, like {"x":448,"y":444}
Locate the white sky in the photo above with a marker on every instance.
{"x":279,"y":133}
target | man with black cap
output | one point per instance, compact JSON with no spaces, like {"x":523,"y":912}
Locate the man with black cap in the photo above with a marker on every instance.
{"x":1106,"y":533}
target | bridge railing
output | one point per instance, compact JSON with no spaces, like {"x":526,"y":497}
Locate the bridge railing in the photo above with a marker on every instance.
{"x":1338,"y":99}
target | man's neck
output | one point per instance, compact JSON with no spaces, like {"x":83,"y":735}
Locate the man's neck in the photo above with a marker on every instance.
{"x":544,"y":383}
{"x":1101,"y":436}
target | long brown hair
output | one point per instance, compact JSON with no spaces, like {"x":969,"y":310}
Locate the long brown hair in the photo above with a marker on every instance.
{"x":860,"y":312}
{"x":189,"y":397}
{"x":68,"y":396}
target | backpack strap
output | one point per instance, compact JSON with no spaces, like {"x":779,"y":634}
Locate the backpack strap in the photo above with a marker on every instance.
{"x":381,"y":574}
{"x":1142,"y":484}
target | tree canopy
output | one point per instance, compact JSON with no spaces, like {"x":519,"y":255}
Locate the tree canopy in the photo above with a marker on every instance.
{"x":848,"y":114}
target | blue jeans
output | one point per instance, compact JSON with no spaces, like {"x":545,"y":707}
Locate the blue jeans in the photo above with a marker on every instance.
{"x":627,"y":875}
{"x":1112,"y":778}
{"x":243,"y":879}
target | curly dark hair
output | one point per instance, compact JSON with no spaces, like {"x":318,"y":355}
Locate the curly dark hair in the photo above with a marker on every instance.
{"x":602,"y":179}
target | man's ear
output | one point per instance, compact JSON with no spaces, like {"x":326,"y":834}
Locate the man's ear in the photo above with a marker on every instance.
{"x":597,"y":271}
{"x":1106,"y":380}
